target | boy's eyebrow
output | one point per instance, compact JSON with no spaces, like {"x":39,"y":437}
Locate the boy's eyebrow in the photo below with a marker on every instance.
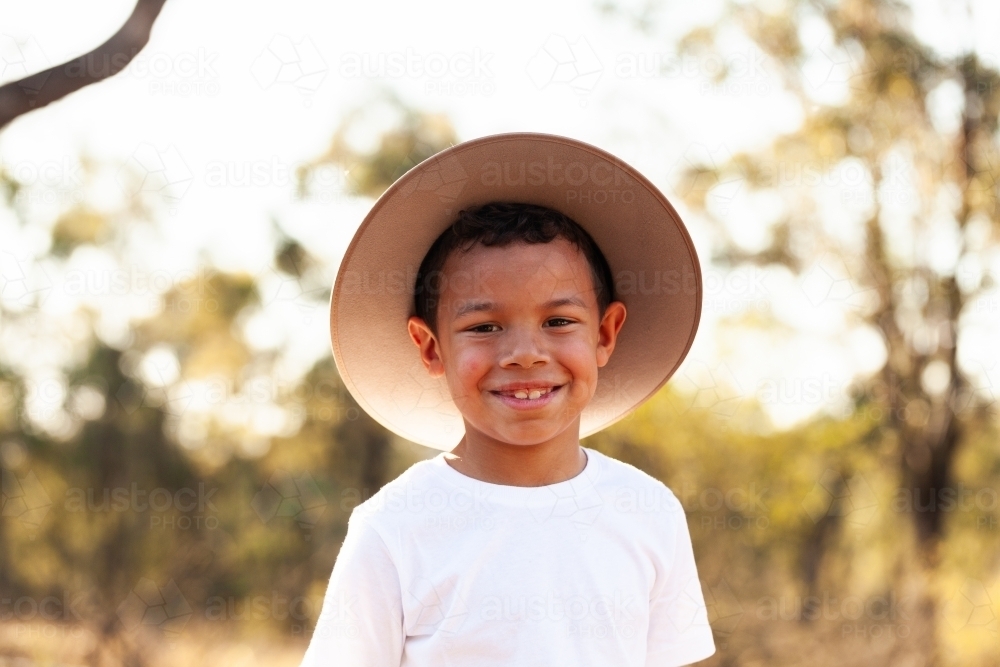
{"x":485,"y":306}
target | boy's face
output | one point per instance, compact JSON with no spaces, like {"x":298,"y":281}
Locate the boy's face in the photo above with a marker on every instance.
{"x":519,"y":340}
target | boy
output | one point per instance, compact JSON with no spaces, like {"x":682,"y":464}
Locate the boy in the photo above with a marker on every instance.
{"x":515,"y":545}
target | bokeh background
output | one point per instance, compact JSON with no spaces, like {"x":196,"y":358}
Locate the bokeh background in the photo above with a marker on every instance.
{"x":180,"y":458}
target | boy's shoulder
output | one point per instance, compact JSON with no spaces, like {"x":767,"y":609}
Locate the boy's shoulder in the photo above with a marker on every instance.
{"x":420,"y":475}
{"x":619,"y":472}
{"x":630,"y":488}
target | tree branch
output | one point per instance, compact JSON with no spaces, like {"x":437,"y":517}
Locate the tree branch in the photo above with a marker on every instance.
{"x":38,"y":90}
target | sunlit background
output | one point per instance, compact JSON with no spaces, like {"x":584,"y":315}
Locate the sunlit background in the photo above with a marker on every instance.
{"x":180,"y":457}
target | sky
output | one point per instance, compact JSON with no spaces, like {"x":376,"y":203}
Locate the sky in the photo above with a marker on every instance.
{"x":229,"y":97}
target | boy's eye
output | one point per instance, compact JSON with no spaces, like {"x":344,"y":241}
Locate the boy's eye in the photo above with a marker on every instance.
{"x":491,"y":328}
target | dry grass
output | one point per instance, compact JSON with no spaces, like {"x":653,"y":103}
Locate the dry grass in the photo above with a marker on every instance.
{"x":206,"y":643}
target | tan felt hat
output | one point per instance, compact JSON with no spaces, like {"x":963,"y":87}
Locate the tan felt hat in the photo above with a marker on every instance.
{"x":652,"y":260}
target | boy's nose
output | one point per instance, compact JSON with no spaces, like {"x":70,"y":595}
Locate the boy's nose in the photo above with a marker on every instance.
{"x":524,"y":349}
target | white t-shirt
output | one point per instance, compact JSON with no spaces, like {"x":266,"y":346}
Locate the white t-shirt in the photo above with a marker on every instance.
{"x":442,"y":570}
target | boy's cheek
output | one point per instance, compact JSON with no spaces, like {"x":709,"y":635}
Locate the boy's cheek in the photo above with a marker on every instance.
{"x":579,"y":354}
{"x":466,"y":370}
{"x":582,"y":391}
{"x":470,"y":360}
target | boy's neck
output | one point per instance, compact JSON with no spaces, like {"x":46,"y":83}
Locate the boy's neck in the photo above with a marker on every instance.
{"x":518,"y":465}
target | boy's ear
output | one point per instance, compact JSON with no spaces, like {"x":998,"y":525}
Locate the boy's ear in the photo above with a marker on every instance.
{"x":607,"y":334}
{"x":427,"y":343}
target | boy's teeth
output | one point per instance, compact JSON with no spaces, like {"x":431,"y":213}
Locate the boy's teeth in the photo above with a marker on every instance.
{"x":533,"y":394}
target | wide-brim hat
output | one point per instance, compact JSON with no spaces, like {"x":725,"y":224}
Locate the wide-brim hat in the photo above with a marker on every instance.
{"x":652,"y":259}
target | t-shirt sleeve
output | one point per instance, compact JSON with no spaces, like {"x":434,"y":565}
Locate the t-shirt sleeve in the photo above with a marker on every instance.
{"x":361,"y":621}
{"x":679,"y":633}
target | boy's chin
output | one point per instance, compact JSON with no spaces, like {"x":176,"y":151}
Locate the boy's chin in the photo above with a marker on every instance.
{"x":526,"y":437}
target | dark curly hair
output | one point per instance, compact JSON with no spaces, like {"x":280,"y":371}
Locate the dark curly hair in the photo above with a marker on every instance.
{"x":501,"y":224}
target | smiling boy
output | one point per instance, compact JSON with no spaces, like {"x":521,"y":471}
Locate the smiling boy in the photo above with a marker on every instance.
{"x":520,"y":346}
{"x":515,"y":545}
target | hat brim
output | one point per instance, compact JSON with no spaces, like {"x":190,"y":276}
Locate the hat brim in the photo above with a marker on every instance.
{"x":651,"y":256}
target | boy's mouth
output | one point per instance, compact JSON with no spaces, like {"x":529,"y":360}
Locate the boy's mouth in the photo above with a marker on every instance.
{"x":527,"y":394}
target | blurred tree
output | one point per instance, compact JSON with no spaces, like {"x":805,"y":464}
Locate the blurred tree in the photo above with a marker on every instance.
{"x":185,"y":405}
{"x":887,"y":122}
